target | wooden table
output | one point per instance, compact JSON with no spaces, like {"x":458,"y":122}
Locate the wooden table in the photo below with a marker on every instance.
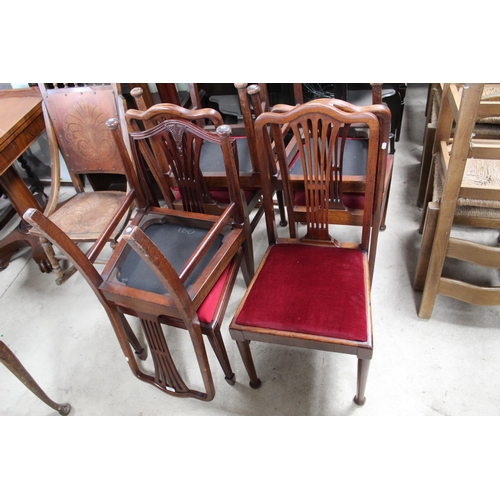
{"x":21,"y":122}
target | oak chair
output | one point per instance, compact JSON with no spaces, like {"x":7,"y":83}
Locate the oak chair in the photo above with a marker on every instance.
{"x":75,"y":118}
{"x":171,"y":267}
{"x":312,"y":290}
{"x":466,"y":192}
{"x":487,"y":127}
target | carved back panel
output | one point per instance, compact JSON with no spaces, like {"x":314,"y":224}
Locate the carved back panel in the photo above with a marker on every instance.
{"x":78,"y":116}
{"x":172,"y":150}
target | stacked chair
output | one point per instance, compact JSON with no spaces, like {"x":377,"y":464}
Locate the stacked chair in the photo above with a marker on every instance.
{"x":173,"y":266}
{"x":465,"y":171}
{"x":486,"y":127}
{"x":313,"y":290}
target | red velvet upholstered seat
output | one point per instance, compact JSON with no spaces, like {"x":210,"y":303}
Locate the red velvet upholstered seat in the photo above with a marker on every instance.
{"x":294,"y":284}
{"x":312,"y":289}
{"x":208,"y":309}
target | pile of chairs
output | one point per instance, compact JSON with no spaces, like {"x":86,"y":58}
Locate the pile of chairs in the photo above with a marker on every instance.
{"x":178,"y":191}
{"x":462,"y":189}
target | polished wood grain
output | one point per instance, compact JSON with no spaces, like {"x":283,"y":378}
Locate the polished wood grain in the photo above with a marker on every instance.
{"x":21,"y":123}
{"x":318,"y":129}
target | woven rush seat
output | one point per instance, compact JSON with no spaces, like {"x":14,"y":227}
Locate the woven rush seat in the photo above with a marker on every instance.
{"x":478,"y":174}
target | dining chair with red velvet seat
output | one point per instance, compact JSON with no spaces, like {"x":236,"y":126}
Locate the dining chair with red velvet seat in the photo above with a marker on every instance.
{"x":312,"y":289}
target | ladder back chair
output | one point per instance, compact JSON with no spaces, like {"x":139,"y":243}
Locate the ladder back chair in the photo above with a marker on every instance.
{"x":75,"y":118}
{"x":466,"y":192}
{"x":312,"y":290}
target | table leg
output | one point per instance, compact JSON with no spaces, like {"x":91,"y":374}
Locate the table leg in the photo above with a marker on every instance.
{"x":22,"y":199}
{"x":8,"y":358}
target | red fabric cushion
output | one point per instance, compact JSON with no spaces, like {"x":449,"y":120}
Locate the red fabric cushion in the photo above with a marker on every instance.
{"x":312,"y":290}
{"x":206,"y":311}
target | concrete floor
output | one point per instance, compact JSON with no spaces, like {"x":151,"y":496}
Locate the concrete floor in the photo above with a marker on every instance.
{"x":447,"y":365}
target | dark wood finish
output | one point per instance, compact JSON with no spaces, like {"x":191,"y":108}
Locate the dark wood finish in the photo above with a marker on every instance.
{"x":21,"y":123}
{"x":75,"y":118}
{"x":318,"y":129}
{"x":10,"y":360}
{"x":215,"y":178}
{"x":186,"y":289}
{"x":176,"y":145}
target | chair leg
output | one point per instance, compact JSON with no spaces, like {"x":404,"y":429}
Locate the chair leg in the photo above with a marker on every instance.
{"x":426,"y":246}
{"x":140,"y":351}
{"x":425,"y":164}
{"x":246,"y":356}
{"x":217,"y":343}
{"x":8,"y":359}
{"x":384,"y":208}
{"x":363,"y":367}
{"x":281,"y":207}
{"x":427,"y":197}
{"x":49,"y":252}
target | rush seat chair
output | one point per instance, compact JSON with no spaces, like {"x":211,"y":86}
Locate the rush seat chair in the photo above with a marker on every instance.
{"x":312,"y":290}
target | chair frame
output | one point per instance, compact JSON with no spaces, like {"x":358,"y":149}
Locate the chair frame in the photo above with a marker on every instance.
{"x":81,"y":152}
{"x":437,"y":243}
{"x":319,"y":217}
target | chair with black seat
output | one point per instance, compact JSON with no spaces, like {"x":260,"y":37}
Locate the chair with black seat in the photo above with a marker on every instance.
{"x":312,"y":290}
{"x":208,"y":168}
{"x":75,"y":118}
{"x":211,"y":161}
{"x":172,"y":267}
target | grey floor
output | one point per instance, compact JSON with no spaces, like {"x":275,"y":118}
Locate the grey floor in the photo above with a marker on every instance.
{"x":447,"y":365}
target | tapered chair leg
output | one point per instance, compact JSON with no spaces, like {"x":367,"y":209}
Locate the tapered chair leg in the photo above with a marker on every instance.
{"x":246,"y":356}
{"x":219,"y":348}
{"x":8,"y":359}
{"x":363,"y":367}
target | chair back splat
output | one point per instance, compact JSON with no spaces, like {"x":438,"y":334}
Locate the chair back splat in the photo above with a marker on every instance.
{"x":312,"y":289}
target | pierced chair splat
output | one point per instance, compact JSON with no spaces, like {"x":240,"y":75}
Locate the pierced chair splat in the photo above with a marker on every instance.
{"x":312,"y":290}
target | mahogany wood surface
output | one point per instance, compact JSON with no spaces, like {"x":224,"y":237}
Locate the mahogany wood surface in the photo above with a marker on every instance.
{"x":21,"y":122}
{"x":295,"y":264}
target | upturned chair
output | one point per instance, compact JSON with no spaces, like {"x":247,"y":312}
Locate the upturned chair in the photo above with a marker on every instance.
{"x":75,"y":118}
{"x":172,"y":267}
{"x":313,"y":290}
{"x":466,"y":192}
